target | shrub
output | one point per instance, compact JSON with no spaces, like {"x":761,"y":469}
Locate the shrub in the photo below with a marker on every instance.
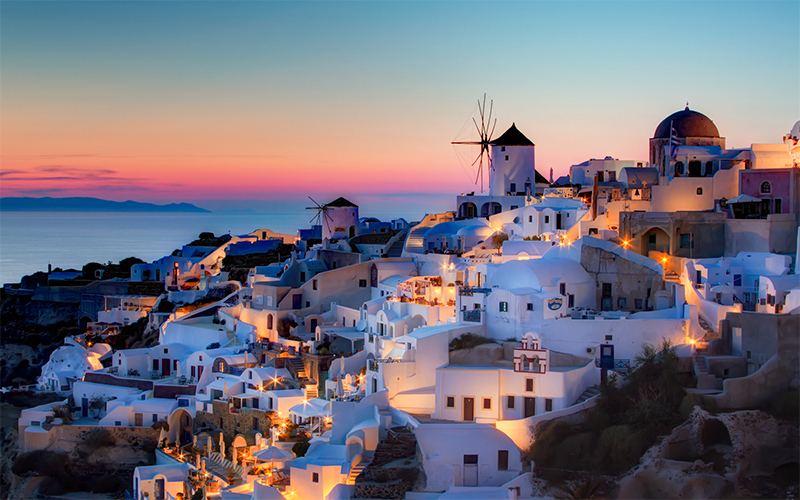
{"x":575,"y":452}
{"x":107,"y":483}
{"x":99,"y":438}
{"x":619,"y":449}
{"x":165,"y":306}
{"x":44,"y":463}
{"x":301,"y":447}
{"x":63,"y":412}
{"x":545,"y":447}
{"x":468,"y":341}
{"x":497,"y":240}
{"x":688,"y":403}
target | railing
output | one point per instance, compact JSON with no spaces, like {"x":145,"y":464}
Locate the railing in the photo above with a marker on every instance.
{"x":469,"y":291}
{"x":619,"y":364}
{"x":472,"y":316}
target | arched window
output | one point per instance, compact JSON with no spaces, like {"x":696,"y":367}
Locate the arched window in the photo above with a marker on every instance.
{"x":679,"y":168}
{"x":766,"y":187}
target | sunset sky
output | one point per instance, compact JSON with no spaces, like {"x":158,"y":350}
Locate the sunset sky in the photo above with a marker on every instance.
{"x":185,"y":101}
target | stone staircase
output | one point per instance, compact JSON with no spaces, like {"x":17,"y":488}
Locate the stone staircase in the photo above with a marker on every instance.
{"x":705,"y":381}
{"x":710,"y":333}
{"x":356,"y":470}
{"x":297,"y":369}
{"x":415,"y":241}
{"x":395,"y":248}
{"x":217,"y":465}
{"x":588,"y":394}
{"x":375,"y":481}
{"x":670,"y":275}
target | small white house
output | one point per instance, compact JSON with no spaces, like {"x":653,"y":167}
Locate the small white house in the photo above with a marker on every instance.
{"x":158,"y":481}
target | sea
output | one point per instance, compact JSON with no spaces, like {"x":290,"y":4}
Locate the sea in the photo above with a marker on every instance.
{"x":29,"y":241}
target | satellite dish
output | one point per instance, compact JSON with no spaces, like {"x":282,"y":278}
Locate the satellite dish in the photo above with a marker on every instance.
{"x":361,"y":326}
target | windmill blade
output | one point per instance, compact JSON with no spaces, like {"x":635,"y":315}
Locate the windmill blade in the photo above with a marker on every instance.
{"x":327,"y":215}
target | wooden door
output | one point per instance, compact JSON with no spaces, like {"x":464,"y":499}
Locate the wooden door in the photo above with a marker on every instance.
{"x":530,"y":407}
{"x":469,"y":409}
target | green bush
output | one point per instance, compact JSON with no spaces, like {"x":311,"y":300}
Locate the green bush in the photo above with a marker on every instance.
{"x":575,"y":452}
{"x":619,"y":449}
{"x":107,"y":483}
{"x":688,"y":403}
{"x":468,"y":341}
{"x":43,"y":463}
{"x":301,"y":447}
{"x":99,"y":438}
{"x":545,"y":448}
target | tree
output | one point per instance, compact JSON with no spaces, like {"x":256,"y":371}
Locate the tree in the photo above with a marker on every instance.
{"x":497,"y":239}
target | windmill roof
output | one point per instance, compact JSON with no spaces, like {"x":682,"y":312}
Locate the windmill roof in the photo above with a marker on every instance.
{"x":540,"y":179}
{"x":512,"y":137}
{"x":341,"y":202}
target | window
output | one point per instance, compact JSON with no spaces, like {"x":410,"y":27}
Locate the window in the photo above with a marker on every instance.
{"x":506,"y":157}
{"x":530,"y":218}
{"x":487,"y":403}
{"x":530,"y":306}
{"x":528,"y":385}
{"x":571,"y":300}
{"x":155,"y":365}
{"x":362,"y":283}
{"x":512,"y":187}
{"x":709,"y":168}
{"x":762,"y":302}
{"x":201,"y":357}
{"x":503,"y":307}
{"x":609,"y":338}
{"x":155,"y":417}
{"x":637,"y":303}
{"x":548,"y":405}
{"x":314,"y":477}
{"x":502,"y":148}
{"x":117,"y":423}
{"x":748,"y":354}
{"x":679,"y":168}
{"x":502,"y":459}
{"x":766,"y":187}
{"x":737,"y":280}
{"x":606,"y":289}
{"x":382,"y":293}
{"x":510,"y":402}
{"x":546,"y":219}
{"x":255,"y":423}
{"x":470,"y":459}
{"x":699,"y":191}
{"x":250,"y":375}
{"x":562,"y":289}
{"x":314,"y":284}
{"x":622,"y":302}
{"x":778,"y":207}
{"x":166,"y":350}
{"x":592,"y":230}
{"x":221,"y":423}
{"x":686,"y":240}
{"x":450,"y":402}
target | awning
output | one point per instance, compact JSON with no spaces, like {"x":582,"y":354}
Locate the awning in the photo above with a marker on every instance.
{"x":744,"y":198}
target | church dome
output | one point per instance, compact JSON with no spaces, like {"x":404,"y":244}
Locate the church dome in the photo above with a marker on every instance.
{"x":687,"y":123}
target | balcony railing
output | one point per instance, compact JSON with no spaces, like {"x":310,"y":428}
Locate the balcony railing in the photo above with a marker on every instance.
{"x":619,"y":364}
{"x":472,"y":316}
{"x":470,"y":291}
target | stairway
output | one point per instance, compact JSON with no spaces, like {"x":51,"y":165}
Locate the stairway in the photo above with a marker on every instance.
{"x":296,"y":368}
{"x":396,"y":248}
{"x":670,"y":275}
{"x":355,"y":471}
{"x":219,"y":466}
{"x":415,"y":240}
{"x":588,"y":394}
{"x":710,"y":333}
{"x":705,"y":380}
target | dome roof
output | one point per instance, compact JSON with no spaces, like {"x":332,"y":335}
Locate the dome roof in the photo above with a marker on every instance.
{"x":687,"y":123}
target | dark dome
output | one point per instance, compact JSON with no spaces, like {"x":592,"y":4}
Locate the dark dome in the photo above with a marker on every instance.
{"x":687,"y":123}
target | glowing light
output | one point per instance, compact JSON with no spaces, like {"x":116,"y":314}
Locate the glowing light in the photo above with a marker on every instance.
{"x":625,"y":243}
{"x":693,"y":341}
{"x":664,"y":260}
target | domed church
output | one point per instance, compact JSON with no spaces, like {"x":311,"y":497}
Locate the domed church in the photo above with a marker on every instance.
{"x":690,"y":129}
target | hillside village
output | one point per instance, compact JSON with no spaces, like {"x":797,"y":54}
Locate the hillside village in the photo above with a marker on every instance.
{"x":479,"y":353}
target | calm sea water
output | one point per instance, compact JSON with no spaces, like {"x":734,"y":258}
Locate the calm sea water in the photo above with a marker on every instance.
{"x":31,"y":240}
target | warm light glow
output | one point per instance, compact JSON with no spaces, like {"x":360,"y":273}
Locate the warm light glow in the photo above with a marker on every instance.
{"x":625,"y":243}
{"x":664,"y":260}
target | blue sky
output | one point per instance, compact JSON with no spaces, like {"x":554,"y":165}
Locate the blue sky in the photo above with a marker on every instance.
{"x":224,"y":100}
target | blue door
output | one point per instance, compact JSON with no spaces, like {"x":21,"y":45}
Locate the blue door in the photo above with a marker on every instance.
{"x":607,"y":356}
{"x":85,"y":407}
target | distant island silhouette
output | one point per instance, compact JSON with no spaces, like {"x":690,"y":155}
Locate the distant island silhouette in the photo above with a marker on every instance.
{"x":84,"y":204}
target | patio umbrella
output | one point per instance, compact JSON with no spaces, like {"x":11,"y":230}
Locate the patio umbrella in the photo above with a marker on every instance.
{"x":273,"y":454}
{"x":743,"y":198}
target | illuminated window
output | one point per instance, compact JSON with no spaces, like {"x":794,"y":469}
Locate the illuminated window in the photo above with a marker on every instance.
{"x":503,"y":307}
